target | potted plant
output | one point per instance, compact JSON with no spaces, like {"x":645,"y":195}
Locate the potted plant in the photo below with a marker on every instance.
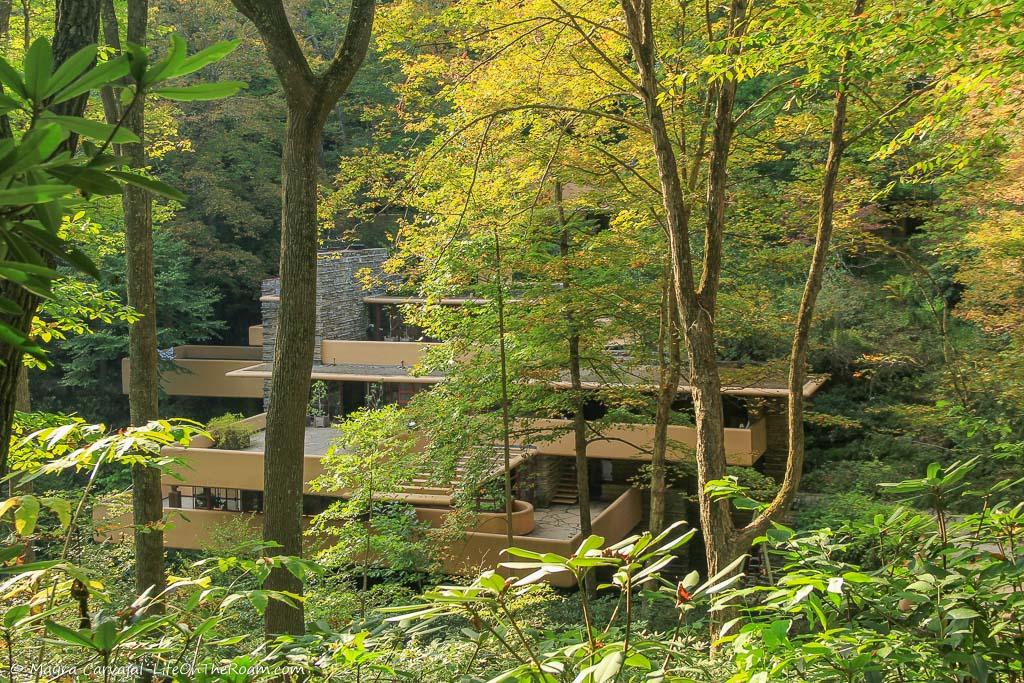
{"x":316,"y":410}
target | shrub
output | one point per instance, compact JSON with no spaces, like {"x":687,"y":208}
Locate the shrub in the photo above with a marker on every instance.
{"x":846,"y":512}
{"x":229,"y":432}
{"x":851,"y":476}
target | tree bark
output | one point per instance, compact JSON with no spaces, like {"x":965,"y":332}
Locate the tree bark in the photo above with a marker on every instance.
{"x":310,"y":99}
{"x":143,"y":388}
{"x":293,"y":363}
{"x":670,"y":360}
{"x":26,"y":17}
{"x":805,"y":314}
{"x":723,"y":542}
{"x":5,"y":23}
{"x":579,"y":419}
{"x":76,"y":25}
{"x":696,"y":306}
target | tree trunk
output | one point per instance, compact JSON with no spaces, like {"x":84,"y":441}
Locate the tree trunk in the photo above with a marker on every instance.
{"x":5,"y":24}
{"x":143,"y":391}
{"x":696,"y":306}
{"x":293,"y":363}
{"x":671,"y":368}
{"x":76,"y":25}
{"x":506,"y":424}
{"x":310,"y":100}
{"x":26,"y":18}
{"x":805,"y":314}
{"x":579,"y":420}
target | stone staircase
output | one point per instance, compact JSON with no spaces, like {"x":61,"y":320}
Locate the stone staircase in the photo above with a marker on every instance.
{"x":566,"y":492}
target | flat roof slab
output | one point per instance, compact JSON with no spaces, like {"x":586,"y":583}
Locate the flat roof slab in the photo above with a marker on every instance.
{"x":317,"y":442}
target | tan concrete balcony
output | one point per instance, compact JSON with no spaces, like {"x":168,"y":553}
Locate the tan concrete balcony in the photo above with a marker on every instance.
{"x":743,"y":446}
{"x":337,"y":352}
{"x":256,"y":335}
{"x":201,"y":370}
{"x":479,"y":548}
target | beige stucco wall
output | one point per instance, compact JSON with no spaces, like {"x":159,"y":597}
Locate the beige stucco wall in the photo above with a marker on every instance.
{"x":634,"y":441}
{"x":486,"y":522}
{"x":473,"y":552}
{"x":229,"y":469}
{"x":477,"y":551}
{"x":204,"y":377}
{"x":372,"y":352}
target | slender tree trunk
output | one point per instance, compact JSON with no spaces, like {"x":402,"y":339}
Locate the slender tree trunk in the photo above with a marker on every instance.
{"x":696,"y":306}
{"x":506,"y":423}
{"x":23,"y":404}
{"x":670,"y":360}
{"x":579,"y":419}
{"x":293,"y":363}
{"x":805,"y":314}
{"x":76,"y":25}
{"x":143,"y":391}
{"x":111,"y":36}
{"x":5,"y":24}
{"x":26,"y":17}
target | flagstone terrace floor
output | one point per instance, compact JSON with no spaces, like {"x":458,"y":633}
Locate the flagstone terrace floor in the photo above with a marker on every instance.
{"x":562,"y":521}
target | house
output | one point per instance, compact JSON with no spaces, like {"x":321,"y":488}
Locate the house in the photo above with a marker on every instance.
{"x":364,"y":346}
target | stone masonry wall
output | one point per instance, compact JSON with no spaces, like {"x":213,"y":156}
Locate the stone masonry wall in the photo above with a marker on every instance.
{"x":546,"y":473}
{"x":340,"y":313}
{"x":773,"y":462}
{"x":339,"y":309}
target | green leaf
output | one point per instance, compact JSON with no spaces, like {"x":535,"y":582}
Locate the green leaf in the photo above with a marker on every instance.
{"x":168,"y":66}
{"x":151,"y":184}
{"x":60,"y":507}
{"x":88,"y":180}
{"x":214,"y":53}
{"x":259,"y":600}
{"x":962,"y":613}
{"x":77,"y":258}
{"x":138,"y":61}
{"x":978,"y":668}
{"x":200,"y":91}
{"x":8,"y":306}
{"x":106,"y":636}
{"x":10,"y":77}
{"x":16,"y":614}
{"x":96,"y":130}
{"x":8,"y":104}
{"x":69,"y":636}
{"x":38,"y":65}
{"x":34,"y":195}
{"x":104,"y":74}
{"x":608,"y":668}
{"x":590,"y":543}
{"x":71,"y":69}
{"x":26,"y":516}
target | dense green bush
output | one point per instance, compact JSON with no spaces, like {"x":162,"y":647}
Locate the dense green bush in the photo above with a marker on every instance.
{"x":230,"y":433}
{"x":844,"y":513}
{"x":850,"y":476}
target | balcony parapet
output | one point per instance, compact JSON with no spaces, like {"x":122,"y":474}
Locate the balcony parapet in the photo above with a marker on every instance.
{"x":743,"y":446}
{"x":342,"y":352}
